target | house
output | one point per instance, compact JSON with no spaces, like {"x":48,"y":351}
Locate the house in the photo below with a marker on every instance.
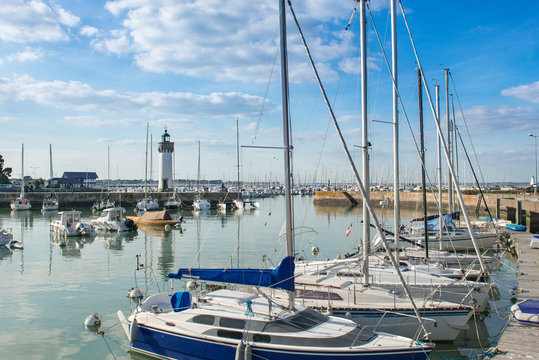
{"x":72,"y":179}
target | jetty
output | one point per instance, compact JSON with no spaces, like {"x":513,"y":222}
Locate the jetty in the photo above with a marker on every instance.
{"x":519,"y":341}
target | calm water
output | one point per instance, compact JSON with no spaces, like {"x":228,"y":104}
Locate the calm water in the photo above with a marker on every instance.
{"x":46,"y":291}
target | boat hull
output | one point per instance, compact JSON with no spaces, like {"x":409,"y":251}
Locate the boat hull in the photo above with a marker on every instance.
{"x":446,"y":326}
{"x":168,"y":345}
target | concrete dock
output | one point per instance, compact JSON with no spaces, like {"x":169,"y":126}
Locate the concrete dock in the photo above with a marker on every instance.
{"x":521,"y":341}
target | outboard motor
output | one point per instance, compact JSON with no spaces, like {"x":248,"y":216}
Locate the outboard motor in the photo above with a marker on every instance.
{"x":131,"y":224}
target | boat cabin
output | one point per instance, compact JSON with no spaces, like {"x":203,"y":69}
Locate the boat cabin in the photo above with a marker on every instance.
{"x":68,"y":218}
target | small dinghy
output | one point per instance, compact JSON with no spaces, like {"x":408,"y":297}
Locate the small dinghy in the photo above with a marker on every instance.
{"x":516,"y":227}
{"x":526,"y":312}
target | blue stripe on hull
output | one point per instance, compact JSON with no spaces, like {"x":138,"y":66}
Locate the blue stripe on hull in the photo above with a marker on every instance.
{"x":165,"y":345}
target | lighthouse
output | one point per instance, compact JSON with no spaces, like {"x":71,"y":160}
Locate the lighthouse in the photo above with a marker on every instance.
{"x":165,"y":148}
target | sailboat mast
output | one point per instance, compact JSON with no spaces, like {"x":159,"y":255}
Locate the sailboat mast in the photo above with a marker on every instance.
{"x":396,"y":184}
{"x":365,"y":143}
{"x":50,"y":162}
{"x":422,"y":155}
{"x":286,"y":140}
{"x":198,"y":169}
{"x":22,"y":169}
{"x":146,"y":168}
{"x":439,"y":149}
{"x":448,"y":123}
{"x":238,"y":150}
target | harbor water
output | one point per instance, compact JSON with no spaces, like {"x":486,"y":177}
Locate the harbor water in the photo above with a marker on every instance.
{"x":47,"y":289}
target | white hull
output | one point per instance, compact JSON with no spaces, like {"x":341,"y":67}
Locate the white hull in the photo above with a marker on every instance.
{"x":6,"y":237}
{"x":145,"y":205}
{"x":16,"y":206}
{"x":201,"y":204}
{"x":459,"y":241}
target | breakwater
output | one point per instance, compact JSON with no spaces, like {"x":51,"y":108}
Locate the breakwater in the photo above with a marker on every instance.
{"x":520,"y":209}
{"x":72,"y":199}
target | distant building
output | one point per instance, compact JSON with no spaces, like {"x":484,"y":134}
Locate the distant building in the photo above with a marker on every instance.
{"x":75,"y":179}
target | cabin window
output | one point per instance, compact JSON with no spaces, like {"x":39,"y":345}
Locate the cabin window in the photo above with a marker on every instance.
{"x":204,"y":319}
{"x":230,"y":334}
{"x":317,"y":295}
{"x":261,"y":338}
{"x":232,"y":323}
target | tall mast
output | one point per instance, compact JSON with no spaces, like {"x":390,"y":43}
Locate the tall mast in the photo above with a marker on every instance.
{"x":449,"y":183}
{"x":50,"y":162}
{"x":22,"y":169}
{"x":286,"y":139}
{"x":146,"y":168}
{"x":422,"y":155}
{"x":198,"y":167}
{"x":151,"y":157}
{"x":454,"y":155}
{"x":396,"y":185}
{"x":108,"y":167}
{"x":238,"y":150}
{"x":365,"y":143}
{"x":439,"y":148}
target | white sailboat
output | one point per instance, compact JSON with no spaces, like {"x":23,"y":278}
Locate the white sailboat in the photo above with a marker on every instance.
{"x":147,"y":204}
{"x":21,"y":203}
{"x":199,"y":203}
{"x":229,"y":324}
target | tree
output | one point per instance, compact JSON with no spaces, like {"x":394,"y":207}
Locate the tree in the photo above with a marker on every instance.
{"x":5,"y":174}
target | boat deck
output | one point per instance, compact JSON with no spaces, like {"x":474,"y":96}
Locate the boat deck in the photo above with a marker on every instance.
{"x":519,"y":341}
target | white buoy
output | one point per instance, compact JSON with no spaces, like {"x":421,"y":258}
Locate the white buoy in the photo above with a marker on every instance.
{"x":348,"y":315}
{"x":92,"y":322}
{"x":135,"y":293}
{"x":191,"y":285}
{"x":133,"y":331}
{"x":167,"y":227}
{"x":315,"y":250}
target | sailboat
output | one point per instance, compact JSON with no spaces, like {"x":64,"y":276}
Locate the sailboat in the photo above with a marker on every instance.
{"x":227,"y":324}
{"x":50,"y":203}
{"x":147,"y":204}
{"x":21,"y":203}
{"x":199,"y":203}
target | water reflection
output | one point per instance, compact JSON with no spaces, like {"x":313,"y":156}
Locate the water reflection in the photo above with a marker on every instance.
{"x":70,"y":246}
{"x":114,"y":240}
{"x":5,"y":253}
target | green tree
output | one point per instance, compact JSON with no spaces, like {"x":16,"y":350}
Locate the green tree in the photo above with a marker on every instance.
{"x":5,"y":174}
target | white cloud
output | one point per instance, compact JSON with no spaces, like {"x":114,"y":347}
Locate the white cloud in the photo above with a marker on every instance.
{"x":82,"y":97}
{"x":66,"y":18}
{"x":28,"y":54}
{"x":31,"y":21}
{"x":89,"y":31}
{"x":221,"y":40}
{"x":92,"y":121}
{"x":488,"y":119}
{"x":528,"y":92}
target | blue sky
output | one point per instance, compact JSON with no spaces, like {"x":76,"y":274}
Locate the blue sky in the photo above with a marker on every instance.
{"x":87,"y":75}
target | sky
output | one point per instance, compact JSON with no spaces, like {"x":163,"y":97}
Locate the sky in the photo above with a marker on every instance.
{"x":88,"y":76}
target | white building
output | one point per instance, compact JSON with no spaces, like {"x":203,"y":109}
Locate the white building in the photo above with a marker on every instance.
{"x":165,"y":148}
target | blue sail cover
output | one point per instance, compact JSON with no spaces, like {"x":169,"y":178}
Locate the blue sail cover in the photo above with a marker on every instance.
{"x":282,"y":277}
{"x":433,"y":221}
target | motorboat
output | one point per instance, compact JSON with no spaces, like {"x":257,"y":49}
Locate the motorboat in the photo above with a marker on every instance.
{"x":238,"y":203}
{"x":154,"y":218}
{"x":68,"y":223}
{"x":112,"y":219}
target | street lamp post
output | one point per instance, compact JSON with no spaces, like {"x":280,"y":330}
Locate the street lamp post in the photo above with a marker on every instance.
{"x":535,"y":178}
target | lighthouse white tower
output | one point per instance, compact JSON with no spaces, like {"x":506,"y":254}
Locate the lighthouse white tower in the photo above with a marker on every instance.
{"x":165,"y":148}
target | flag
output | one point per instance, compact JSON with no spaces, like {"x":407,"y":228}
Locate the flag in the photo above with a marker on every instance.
{"x":349,"y":230}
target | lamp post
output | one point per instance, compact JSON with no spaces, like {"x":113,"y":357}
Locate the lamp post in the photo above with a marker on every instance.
{"x":535,"y":178}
